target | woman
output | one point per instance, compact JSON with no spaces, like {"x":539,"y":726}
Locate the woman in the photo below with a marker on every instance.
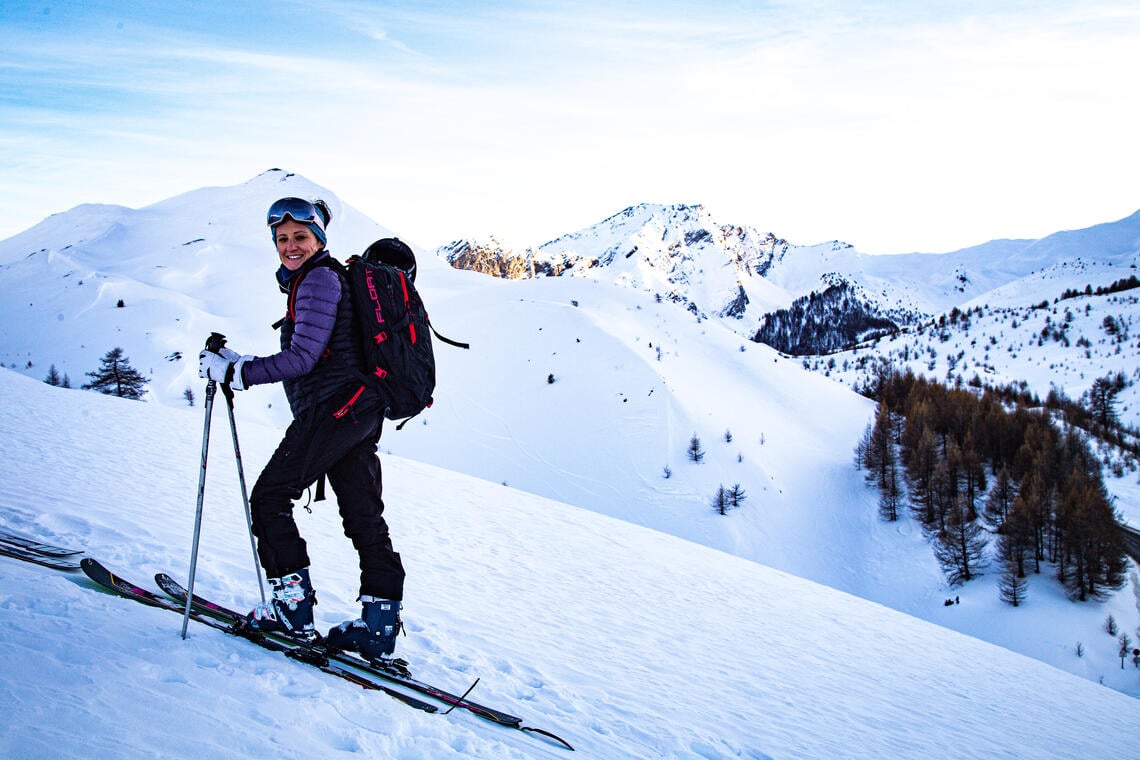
{"x":335,"y":432}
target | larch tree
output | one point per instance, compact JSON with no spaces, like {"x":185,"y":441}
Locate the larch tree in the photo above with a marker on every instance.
{"x":116,"y":377}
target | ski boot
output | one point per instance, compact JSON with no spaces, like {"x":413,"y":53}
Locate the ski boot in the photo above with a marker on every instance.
{"x":290,"y":609}
{"x":373,"y":634}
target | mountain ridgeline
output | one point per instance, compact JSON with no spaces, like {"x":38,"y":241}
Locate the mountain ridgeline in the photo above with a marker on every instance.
{"x":679,"y":253}
{"x":807,"y":299}
{"x":797,"y":299}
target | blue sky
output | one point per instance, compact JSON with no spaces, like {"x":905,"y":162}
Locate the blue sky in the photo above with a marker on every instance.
{"x":893,"y":126}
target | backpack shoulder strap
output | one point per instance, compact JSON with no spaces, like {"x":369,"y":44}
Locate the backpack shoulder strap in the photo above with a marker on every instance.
{"x":291,"y":308}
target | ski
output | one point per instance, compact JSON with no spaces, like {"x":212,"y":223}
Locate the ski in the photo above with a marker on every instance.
{"x":108,"y":580}
{"x":33,"y":545}
{"x":395,"y":671}
{"x":46,"y":560}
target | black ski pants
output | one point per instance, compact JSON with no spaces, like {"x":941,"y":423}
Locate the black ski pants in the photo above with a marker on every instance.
{"x":318,"y":443}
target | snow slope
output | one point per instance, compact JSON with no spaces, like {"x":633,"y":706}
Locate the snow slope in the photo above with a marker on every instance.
{"x":628,"y":642}
{"x":634,"y":380}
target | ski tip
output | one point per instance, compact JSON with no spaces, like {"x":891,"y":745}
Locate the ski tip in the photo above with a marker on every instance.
{"x":96,"y":571}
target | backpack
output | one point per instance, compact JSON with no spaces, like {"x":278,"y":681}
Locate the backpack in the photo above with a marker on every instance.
{"x":395,"y":332}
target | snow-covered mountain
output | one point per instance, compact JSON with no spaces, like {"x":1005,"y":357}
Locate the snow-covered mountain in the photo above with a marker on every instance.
{"x":680,"y":253}
{"x":586,"y":390}
{"x":741,"y":273}
{"x":759,"y":285}
{"x":182,"y":267}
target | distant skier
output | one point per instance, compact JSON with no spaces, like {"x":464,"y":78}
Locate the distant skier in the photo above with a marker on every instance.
{"x":335,"y":431}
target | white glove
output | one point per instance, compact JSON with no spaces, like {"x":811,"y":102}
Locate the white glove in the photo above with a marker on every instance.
{"x":215,"y":366}
{"x":223,"y":367}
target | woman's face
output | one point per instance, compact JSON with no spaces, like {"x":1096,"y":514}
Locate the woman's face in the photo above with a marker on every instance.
{"x":296,"y":244}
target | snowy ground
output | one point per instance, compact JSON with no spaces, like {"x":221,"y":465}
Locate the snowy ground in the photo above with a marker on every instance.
{"x":626,"y":641}
{"x":696,"y":635}
{"x":634,"y":379}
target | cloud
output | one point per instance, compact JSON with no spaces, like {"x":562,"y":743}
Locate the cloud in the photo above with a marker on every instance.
{"x":863,"y":121}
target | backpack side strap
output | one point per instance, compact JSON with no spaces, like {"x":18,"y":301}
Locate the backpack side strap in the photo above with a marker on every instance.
{"x":447,"y":340}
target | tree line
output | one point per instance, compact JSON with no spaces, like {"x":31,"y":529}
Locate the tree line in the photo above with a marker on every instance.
{"x":971,"y":470}
{"x":820,"y":323}
{"x":1127,"y":283}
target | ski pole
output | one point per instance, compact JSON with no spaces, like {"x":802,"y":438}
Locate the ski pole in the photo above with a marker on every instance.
{"x":228,"y":392}
{"x":213,"y":343}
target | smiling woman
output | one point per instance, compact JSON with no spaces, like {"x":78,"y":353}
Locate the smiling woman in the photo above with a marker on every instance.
{"x":335,"y":431}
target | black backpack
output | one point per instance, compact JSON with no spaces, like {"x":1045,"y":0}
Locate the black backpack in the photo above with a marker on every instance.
{"x":394,"y":327}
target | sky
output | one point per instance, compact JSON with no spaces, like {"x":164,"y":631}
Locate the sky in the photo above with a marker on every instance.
{"x":893,"y":126}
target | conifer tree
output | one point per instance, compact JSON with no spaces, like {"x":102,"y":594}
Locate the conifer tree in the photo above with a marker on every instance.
{"x":116,"y":377}
{"x":890,"y":490}
{"x":879,"y":453}
{"x":1092,"y":558}
{"x":53,"y":377}
{"x":696,"y":453}
{"x":960,"y":545}
{"x":720,"y":501}
{"x":920,"y":468}
{"x":1000,"y":500}
{"x":973,"y":475}
{"x":1012,"y":587}
{"x":1102,"y":401}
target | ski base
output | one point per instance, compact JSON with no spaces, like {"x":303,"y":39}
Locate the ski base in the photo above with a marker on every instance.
{"x":11,"y":538}
{"x":29,"y":555}
{"x":28,"y":549}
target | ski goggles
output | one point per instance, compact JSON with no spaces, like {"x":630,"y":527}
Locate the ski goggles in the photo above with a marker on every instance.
{"x":297,"y":209}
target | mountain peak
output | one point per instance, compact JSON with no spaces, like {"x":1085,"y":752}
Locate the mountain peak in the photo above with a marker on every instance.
{"x":677,"y":251}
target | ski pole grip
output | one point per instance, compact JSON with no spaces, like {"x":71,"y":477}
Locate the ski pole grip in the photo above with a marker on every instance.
{"x":215,"y":342}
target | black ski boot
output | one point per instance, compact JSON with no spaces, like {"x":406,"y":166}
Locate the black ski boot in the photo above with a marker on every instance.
{"x":290,"y":609}
{"x":373,"y":634}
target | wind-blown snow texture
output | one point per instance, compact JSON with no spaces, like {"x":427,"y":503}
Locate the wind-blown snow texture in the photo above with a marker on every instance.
{"x":628,"y":642}
{"x":579,"y":598}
